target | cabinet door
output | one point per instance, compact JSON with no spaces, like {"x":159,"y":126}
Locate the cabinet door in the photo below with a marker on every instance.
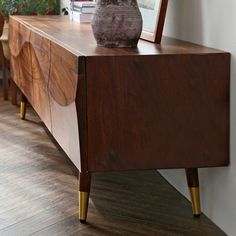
{"x":63,"y":87}
{"x":20,"y":49}
{"x":40,"y":54}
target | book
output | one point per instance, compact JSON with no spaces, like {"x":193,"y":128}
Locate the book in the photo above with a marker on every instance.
{"x":86,"y":9}
{"x":82,"y":17}
{"x":83,"y":6}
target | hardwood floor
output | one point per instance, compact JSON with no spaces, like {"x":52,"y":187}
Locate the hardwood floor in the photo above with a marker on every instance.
{"x":38,"y":191}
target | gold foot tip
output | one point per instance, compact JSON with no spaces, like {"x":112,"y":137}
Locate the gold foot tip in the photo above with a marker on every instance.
{"x":83,"y":206}
{"x":197,"y":215}
{"x":82,"y":221}
{"x":22,"y":110}
{"x":195,"y":199}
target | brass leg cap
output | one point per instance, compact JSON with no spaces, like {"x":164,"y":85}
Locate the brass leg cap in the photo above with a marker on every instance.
{"x":22,"y":110}
{"x":83,"y":206}
{"x":195,"y":199}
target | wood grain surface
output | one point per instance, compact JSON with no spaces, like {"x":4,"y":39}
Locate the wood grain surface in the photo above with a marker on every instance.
{"x":78,"y":39}
{"x":39,"y":192}
{"x":192,"y":177}
{"x":40,"y":56}
{"x":64,"y":75}
{"x":30,"y":61}
{"x":21,"y":61}
{"x":169,"y":111}
{"x":62,"y":90}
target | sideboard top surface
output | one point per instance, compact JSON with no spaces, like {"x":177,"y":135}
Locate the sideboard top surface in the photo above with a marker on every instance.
{"x":73,"y":35}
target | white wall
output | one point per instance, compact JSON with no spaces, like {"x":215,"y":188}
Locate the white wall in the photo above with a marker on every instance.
{"x":211,"y":23}
{"x":64,"y":3}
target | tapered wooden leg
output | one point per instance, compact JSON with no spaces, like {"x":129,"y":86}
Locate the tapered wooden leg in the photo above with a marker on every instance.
{"x":4,"y":79}
{"x":13,"y":92}
{"x":23,"y":106}
{"x":84,"y":190}
{"x":193,"y":184}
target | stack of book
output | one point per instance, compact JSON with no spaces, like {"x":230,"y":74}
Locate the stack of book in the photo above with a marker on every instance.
{"x":82,"y":11}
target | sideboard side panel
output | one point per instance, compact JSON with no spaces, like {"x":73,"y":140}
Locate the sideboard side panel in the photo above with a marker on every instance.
{"x":165,"y":111}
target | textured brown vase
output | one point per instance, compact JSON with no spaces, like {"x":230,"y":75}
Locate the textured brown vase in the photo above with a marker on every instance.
{"x":117,"y":23}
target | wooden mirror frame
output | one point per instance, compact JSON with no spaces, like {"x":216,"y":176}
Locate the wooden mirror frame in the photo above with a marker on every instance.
{"x":157,"y":34}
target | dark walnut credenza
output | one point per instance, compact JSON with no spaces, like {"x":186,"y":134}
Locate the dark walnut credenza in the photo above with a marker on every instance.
{"x":114,"y":109}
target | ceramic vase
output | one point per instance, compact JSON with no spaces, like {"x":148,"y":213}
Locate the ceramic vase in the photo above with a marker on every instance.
{"x":117,"y":23}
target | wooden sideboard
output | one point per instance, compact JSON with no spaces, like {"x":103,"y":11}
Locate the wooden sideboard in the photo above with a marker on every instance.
{"x":114,"y":109}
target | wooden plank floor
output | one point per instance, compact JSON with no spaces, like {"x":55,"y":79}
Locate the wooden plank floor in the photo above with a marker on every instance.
{"x":38,"y":192}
